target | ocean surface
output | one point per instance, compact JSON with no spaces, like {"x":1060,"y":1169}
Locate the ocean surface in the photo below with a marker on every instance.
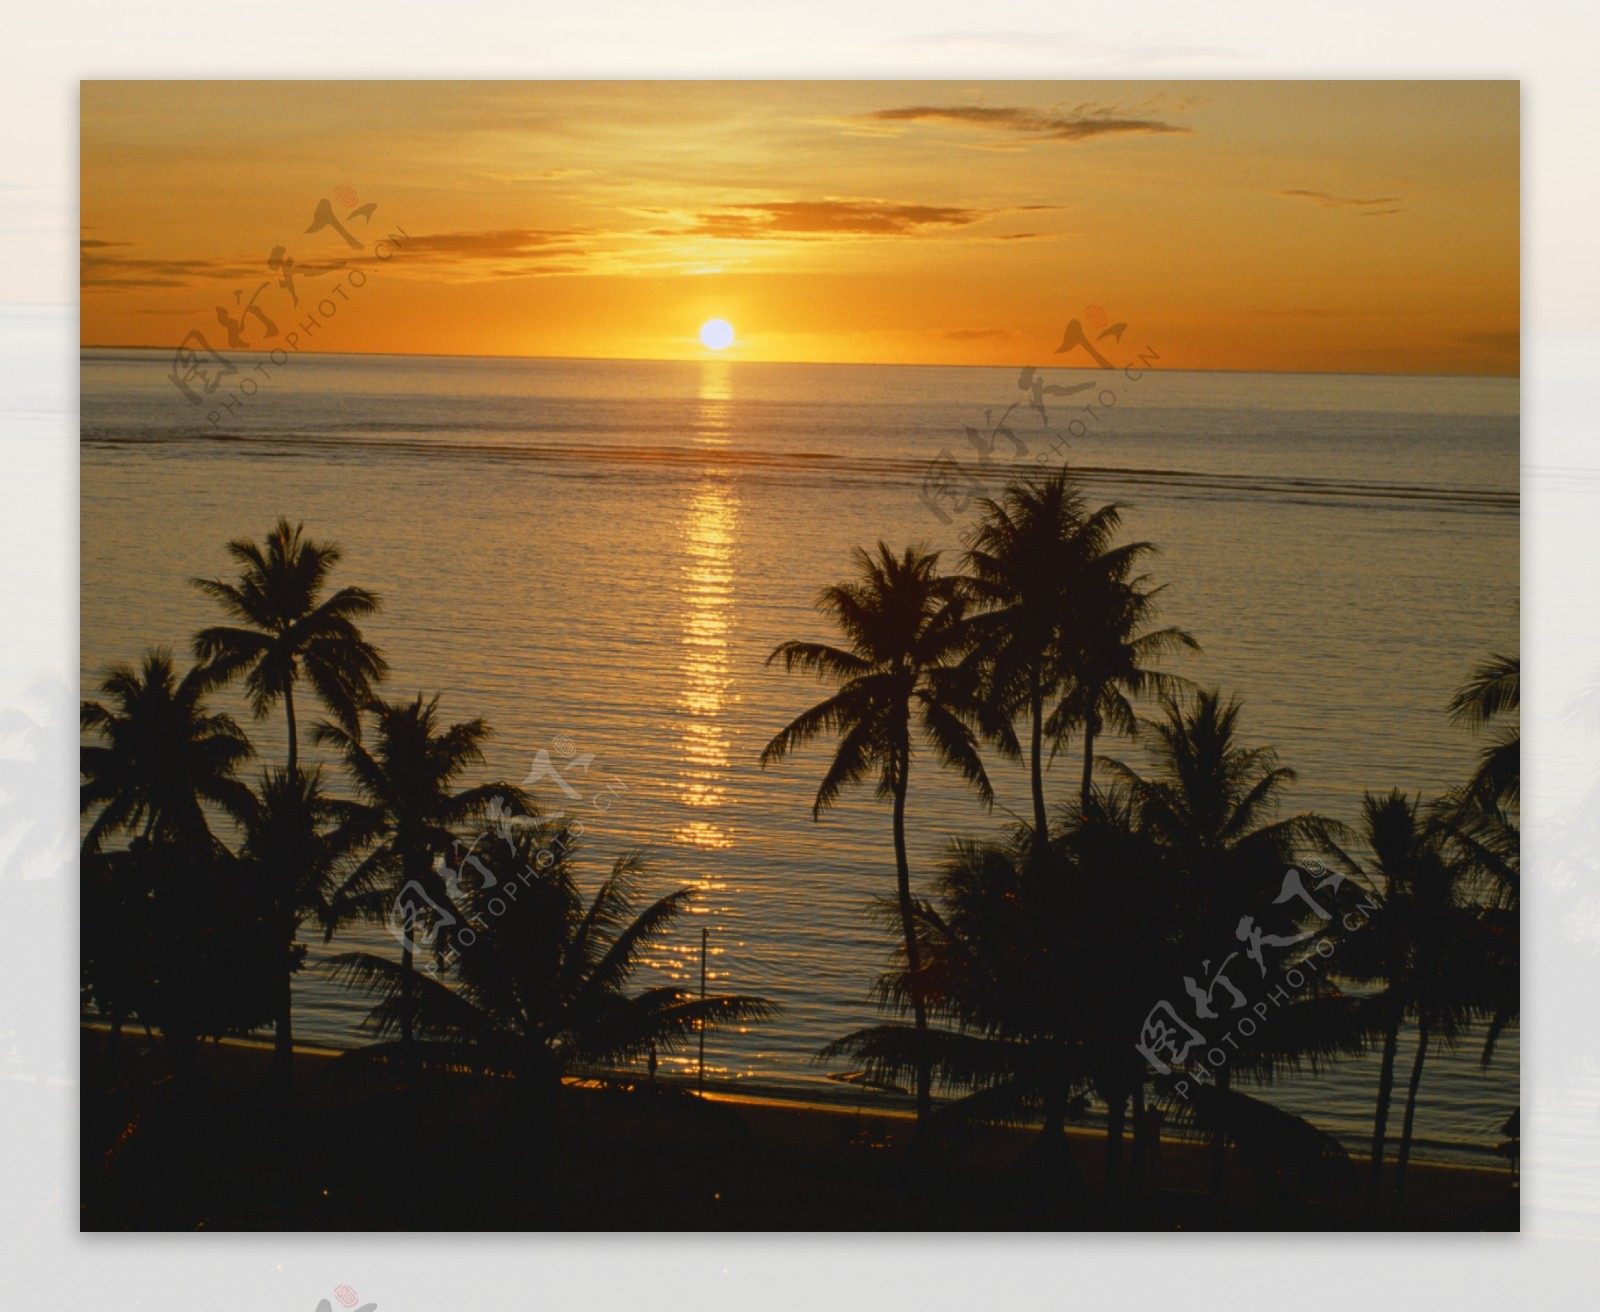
{"x":599,"y":555}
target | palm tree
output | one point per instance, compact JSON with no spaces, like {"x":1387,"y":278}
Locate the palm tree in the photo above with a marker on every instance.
{"x":303,"y":845}
{"x":1005,"y":1032}
{"x":285,"y":629}
{"x":1493,"y":691}
{"x":1423,"y":946}
{"x":163,"y":756}
{"x":542,"y":986}
{"x":1108,"y":656}
{"x":1037,"y":972}
{"x":1019,"y":568}
{"x":411,"y":807}
{"x":1054,"y":599}
{"x":163,"y":922}
{"x":903,"y":625}
{"x":1480,"y":820}
{"x":1211,"y":802}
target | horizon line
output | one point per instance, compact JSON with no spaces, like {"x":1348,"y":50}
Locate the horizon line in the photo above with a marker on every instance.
{"x":843,"y":364}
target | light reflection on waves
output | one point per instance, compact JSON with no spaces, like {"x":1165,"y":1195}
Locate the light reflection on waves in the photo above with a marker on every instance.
{"x":708,"y":533}
{"x":826,"y":465}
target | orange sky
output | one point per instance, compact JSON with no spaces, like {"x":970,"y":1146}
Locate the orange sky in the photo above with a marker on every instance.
{"x":1344,"y":226}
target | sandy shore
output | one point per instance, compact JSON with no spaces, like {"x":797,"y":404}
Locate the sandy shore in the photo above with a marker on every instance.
{"x":664,"y":1161}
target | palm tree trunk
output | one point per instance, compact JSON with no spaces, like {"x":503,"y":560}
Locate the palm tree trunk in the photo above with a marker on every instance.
{"x":908,"y":924}
{"x":407,"y":1002}
{"x":1219,"y":1140}
{"x":1411,"y":1110}
{"x":1116,"y":1114}
{"x":1089,"y":727}
{"x":1041,"y":824}
{"x":283,"y":1036}
{"x":114,"y":1053}
{"x":1380,"y":1117}
{"x":1141,"y":1139}
{"x":294,"y":740}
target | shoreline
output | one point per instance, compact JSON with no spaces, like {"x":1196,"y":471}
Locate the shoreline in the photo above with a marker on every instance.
{"x":786,"y":1157}
{"x":795,"y":1098}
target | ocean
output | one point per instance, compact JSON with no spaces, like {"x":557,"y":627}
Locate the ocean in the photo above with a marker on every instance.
{"x":598,"y":556}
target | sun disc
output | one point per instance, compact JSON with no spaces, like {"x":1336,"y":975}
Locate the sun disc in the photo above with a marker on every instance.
{"x":717,"y":334}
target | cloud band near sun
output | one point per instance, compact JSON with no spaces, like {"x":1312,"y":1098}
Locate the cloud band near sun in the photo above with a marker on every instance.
{"x":1080,"y":124}
{"x":827,"y":218}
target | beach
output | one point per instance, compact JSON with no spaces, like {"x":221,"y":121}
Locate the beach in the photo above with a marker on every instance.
{"x":458,"y":1152}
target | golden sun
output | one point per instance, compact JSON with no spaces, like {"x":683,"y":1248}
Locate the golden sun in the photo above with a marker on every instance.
{"x":717,"y":334}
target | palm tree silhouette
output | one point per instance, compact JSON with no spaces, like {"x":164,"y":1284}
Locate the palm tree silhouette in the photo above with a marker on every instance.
{"x":286,"y":629}
{"x":303,"y":845}
{"x":903,"y":624}
{"x":1007,"y":1027}
{"x":1109,"y":650}
{"x":410,"y":806}
{"x":28,"y":777}
{"x":1037,"y":971}
{"x":163,"y":756}
{"x":1045,"y":580}
{"x":155,"y":915}
{"x":1481,"y":821}
{"x":1492,"y":692}
{"x":542,"y":986}
{"x":1423,"y":946}
{"x":1211,"y":802}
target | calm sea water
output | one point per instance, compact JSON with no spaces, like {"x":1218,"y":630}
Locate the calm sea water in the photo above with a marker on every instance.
{"x":598,"y":555}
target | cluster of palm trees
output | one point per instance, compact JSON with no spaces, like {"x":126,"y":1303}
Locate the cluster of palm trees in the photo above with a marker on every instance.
{"x":199,"y":884}
{"x":1022,"y":976}
{"x":1026,"y":976}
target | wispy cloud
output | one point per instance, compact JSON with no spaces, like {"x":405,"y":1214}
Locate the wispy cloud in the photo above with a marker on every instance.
{"x":1081,"y":123}
{"x":1328,"y":201}
{"x":801,"y":219}
{"x":499,"y":244}
{"x":512,"y":252}
{"x":123,"y":273}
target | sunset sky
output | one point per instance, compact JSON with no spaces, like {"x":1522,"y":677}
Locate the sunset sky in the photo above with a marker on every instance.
{"x":1349,"y":226}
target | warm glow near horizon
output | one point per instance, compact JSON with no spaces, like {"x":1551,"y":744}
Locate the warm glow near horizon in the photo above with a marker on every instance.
{"x":1319,"y":226}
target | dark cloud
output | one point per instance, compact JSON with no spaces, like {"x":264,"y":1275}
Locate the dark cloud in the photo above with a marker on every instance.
{"x":1080,"y":124}
{"x":1329,"y":201}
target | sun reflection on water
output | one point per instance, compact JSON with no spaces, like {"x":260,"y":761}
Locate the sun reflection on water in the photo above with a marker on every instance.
{"x":706,"y":584}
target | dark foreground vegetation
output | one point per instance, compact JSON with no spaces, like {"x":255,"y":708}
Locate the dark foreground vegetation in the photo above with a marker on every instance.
{"x":460,"y":1153}
{"x":1028,"y":978}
